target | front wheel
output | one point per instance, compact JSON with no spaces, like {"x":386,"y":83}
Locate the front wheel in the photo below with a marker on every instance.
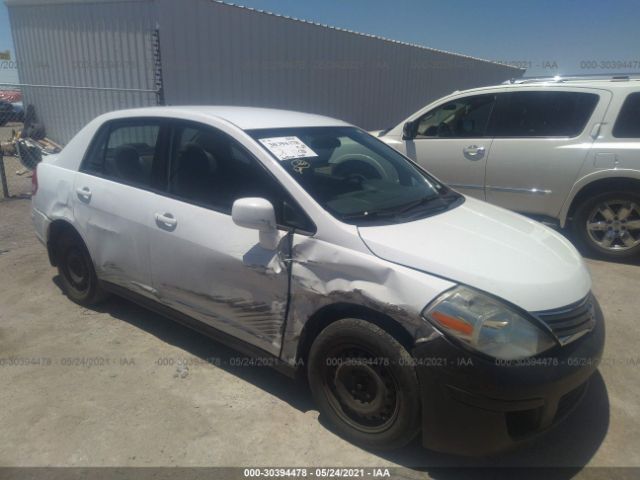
{"x":608,"y":225}
{"x":363,"y":382}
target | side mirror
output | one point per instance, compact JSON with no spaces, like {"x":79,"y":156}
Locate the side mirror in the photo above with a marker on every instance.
{"x":409,"y":130}
{"x":257,"y":214}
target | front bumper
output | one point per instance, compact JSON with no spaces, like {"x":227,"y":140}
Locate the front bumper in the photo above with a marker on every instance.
{"x":475,"y":406}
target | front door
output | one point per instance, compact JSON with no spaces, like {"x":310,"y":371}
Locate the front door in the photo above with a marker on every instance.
{"x":203,"y":264}
{"x":450,"y":141}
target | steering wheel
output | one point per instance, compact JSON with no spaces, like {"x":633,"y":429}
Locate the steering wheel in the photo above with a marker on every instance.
{"x":356,"y":169}
{"x":444,"y":130}
{"x":355,"y":178}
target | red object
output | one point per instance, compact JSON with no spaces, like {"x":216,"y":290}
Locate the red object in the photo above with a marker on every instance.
{"x":34,"y":181}
{"x":11,"y":96}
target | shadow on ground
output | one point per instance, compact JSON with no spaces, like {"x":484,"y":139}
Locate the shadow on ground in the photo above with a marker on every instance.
{"x":570,"y":445}
{"x":295,"y":393}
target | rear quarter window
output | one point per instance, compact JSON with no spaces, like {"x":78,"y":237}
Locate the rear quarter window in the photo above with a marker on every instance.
{"x":628,"y":122}
{"x":543,"y":114}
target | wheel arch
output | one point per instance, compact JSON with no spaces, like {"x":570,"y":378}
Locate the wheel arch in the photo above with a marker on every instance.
{"x":56,"y":229}
{"x":594,"y":186}
{"x":329,"y":314}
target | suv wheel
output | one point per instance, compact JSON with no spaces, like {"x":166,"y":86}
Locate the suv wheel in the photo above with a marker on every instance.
{"x":608,"y":224}
{"x":364,"y":383}
{"x":79,"y":280}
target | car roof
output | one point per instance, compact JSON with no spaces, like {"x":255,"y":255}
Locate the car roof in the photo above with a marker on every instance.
{"x":246,"y":118}
{"x":550,"y":83}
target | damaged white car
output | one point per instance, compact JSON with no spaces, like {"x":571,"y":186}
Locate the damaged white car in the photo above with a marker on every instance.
{"x":307,"y":242}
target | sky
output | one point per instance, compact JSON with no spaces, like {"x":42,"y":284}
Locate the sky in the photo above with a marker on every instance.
{"x":547,"y":37}
{"x":8,"y":73}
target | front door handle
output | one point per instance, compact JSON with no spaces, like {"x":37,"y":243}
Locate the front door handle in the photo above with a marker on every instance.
{"x":473,"y":152}
{"x":84,"y":194}
{"x":166,"y":221}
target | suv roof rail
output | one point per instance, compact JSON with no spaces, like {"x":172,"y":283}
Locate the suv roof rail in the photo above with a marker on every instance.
{"x":578,"y":77}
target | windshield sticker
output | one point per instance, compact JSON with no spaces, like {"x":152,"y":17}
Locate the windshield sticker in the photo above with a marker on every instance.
{"x":287,"y":148}
{"x":299,"y":165}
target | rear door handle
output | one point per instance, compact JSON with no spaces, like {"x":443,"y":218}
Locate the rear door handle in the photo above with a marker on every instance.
{"x":473,"y":152}
{"x":166,"y":221}
{"x":84,"y":194}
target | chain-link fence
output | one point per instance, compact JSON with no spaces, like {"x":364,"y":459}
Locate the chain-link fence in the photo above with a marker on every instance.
{"x":22,"y":147}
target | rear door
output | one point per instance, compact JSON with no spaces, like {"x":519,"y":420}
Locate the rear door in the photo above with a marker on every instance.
{"x":541,"y":139}
{"x":113,"y":198}
{"x":203,"y":264}
{"x":451,"y":142}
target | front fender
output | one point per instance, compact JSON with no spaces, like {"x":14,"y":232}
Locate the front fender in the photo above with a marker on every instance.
{"x":325,"y":274}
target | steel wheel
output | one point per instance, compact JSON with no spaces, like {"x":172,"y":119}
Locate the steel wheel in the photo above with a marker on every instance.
{"x":76,"y":270}
{"x":79,"y":280}
{"x":364,"y":383}
{"x":614,"y":224}
{"x":362,"y":392}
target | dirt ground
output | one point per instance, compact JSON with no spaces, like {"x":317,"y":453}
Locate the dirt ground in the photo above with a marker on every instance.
{"x":121,"y":386}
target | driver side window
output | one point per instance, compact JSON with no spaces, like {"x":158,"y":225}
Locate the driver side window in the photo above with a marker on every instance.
{"x":466,"y":117}
{"x":210,"y":169}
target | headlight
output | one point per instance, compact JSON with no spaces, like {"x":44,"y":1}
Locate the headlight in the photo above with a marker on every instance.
{"x":487,"y":325}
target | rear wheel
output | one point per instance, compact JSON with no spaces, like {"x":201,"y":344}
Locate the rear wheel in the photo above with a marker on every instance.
{"x":608,"y":224}
{"x":79,"y":280}
{"x":364,"y":383}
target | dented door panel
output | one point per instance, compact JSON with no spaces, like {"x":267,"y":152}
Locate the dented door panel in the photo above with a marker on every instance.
{"x":114,"y":222}
{"x":214,"y":271}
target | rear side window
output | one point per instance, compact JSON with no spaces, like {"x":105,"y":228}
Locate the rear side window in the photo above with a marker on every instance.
{"x":124,"y":152}
{"x":542,"y":114}
{"x":628,"y":121}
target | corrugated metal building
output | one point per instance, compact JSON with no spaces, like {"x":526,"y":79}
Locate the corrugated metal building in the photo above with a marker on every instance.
{"x":79,"y":59}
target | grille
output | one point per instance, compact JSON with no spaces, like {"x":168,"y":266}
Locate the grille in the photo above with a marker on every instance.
{"x":571,"y":322}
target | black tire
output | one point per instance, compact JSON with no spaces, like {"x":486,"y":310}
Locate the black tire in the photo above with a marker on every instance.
{"x":364,"y":383}
{"x":615,"y":228}
{"x":79,"y":280}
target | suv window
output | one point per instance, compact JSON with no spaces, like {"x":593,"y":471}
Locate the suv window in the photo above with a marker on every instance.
{"x":209,"y":168}
{"x":542,"y":114}
{"x":628,"y":121}
{"x":460,"y":118}
{"x":124,"y":152}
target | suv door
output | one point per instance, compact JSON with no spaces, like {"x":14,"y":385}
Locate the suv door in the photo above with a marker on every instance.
{"x":112,"y":198}
{"x":541,"y":139}
{"x":450,"y":141}
{"x":203,"y":264}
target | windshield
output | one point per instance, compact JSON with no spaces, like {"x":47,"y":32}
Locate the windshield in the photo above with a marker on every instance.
{"x":354,"y":176}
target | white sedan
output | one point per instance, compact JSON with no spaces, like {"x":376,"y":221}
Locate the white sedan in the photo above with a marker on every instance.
{"x":315,"y":247}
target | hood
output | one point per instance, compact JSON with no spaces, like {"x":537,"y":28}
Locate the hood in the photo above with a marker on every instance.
{"x":491,"y":249}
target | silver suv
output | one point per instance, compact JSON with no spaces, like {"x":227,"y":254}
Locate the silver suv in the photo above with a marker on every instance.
{"x":563,"y":150}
